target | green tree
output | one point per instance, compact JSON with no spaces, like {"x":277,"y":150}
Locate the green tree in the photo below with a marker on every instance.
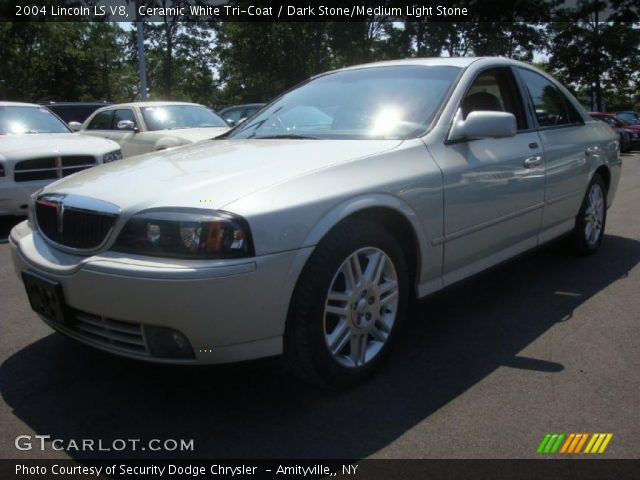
{"x":594,"y":53}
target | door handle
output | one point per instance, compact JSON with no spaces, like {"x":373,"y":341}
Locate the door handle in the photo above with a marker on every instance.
{"x":533,"y":161}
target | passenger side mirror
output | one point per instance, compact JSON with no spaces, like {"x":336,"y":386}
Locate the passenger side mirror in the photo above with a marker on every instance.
{"x":483,"y":124}
{"x":231,"y":122}
{"x":127,"y":125}
{"x":75,"y":126}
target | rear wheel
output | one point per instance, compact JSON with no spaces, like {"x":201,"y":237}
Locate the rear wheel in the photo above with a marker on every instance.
{"x":591,"y":220}
{"x":348,"y":305}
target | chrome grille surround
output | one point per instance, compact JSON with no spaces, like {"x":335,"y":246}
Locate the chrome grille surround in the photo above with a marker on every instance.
{"x":73,"y":223}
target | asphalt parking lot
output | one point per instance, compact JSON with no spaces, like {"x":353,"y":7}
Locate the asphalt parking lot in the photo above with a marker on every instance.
{"x":545,"y":343}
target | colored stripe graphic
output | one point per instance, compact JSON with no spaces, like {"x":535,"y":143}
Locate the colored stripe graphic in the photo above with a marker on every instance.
{"x":576,"y":439}
{"x":591,"y":442}
{"x":598,"y":443}
{"x":581,"y":443}
{"x":573,"y":443}
{"x":543,"y":443}
{"x":550,"y":443}
{"x":606,"y":441}
{"x":555,"y":447}
{"x":567,"y":443}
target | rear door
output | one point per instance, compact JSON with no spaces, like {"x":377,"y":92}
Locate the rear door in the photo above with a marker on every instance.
{"x":567,"y":148}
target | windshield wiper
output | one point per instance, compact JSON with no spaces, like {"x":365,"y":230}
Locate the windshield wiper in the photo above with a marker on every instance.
{"x":290,"y":136}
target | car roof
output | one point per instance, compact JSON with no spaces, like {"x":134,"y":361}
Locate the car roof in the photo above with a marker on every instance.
{"x":75,"y":104}
{"x":244,"y":105}
{"x":460,"y":62}
{"x":19,"y":104}
{"x":150,"y":104}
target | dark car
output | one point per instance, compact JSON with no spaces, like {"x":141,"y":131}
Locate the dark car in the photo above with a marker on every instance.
{"x":629,"y":116}
{"x":233,"y":115}
{"x":629,"y":134}
{"x":74,"y":111}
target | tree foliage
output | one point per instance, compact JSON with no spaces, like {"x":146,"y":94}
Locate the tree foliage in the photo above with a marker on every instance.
{"x":217,"y":63}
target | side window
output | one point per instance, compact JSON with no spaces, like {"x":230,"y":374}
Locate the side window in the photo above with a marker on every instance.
{"x":495,"y":90}
{"x":125,"y":114}
{"x":101,"y":121}
{"x":552,"y":108}
{"x":235,"y":115}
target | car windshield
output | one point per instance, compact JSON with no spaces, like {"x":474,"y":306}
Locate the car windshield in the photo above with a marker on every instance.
{"x":394,"y":102}
{"x":17,"y":120}
{"x":171,"y":117}
{"x":628,"y":117}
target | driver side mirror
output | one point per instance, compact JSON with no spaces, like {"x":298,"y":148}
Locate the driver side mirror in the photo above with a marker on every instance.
{"x":75,"y":126}
{"x":127,"y":125}
{"x":230,"y":121}
{"x":483,"y":124}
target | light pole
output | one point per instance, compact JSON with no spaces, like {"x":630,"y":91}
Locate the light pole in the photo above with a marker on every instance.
{"x":142,"y":71}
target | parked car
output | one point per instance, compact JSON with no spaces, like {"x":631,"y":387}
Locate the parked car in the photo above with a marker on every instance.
{"x":150,"y":126}
{"x":238,"y":113}
{"x":36,"y":148}
{"x":629,"y":117}
{"x":308,"y":239}
{"x":74,"y":112}
{"x":629,"y":134}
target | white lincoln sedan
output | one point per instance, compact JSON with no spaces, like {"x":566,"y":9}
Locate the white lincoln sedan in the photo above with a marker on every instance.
{"x":305,"y":230}
{"x":143,"y":127}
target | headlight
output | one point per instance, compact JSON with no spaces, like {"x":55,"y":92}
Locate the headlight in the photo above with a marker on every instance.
{"x":112,"y":156}
{"x":186,"y":233}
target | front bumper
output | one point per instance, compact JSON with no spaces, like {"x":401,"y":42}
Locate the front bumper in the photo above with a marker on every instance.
{"x":229,"y":310}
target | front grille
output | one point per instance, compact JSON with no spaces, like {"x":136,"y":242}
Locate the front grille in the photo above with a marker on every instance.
{"x":48,"y":168}
{"x":73,"y":228}
{"x":109,"y":333}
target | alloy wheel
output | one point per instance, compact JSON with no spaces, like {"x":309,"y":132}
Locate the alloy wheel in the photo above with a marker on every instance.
{"x":361,"y":307}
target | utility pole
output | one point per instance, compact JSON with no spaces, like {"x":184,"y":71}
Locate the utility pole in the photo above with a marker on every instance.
{"x":142,"y":71}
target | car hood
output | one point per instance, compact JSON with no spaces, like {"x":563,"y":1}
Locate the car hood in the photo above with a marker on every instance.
{"x":193,"y":134}
{"x":38,"y":144}
{"x":211,"y":174}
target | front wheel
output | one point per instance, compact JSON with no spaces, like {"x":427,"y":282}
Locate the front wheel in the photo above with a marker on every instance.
{"x":348,"y":305}
{"x":591,"y":220}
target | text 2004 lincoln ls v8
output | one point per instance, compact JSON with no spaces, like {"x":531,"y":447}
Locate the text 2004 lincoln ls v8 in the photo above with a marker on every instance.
{"x":306,"y":229}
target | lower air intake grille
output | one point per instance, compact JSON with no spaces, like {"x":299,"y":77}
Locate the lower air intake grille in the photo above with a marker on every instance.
{"x":109,"y":333}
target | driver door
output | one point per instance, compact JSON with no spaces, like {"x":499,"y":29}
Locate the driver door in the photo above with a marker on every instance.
{"x":493,"y":187}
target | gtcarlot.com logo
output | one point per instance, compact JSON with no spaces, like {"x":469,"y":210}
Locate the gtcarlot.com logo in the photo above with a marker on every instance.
{"x":573,"y":443}
{"x":45,"y":442}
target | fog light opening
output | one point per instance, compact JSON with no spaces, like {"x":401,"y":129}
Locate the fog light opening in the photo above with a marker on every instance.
{"x":168,"y":343}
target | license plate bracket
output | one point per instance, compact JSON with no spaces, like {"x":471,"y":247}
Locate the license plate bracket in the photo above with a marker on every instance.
{"x":46,"y":298}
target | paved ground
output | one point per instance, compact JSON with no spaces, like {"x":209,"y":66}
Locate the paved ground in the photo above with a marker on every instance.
{"x":547,"y":342}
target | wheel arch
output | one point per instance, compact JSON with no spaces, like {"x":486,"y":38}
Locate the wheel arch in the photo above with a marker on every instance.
{"x":390,"y":212}
{"x":605,"y":173}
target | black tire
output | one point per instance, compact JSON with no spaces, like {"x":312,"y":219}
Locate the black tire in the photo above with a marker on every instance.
{"x":305,"y":350}
{"x":579,"y":241}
